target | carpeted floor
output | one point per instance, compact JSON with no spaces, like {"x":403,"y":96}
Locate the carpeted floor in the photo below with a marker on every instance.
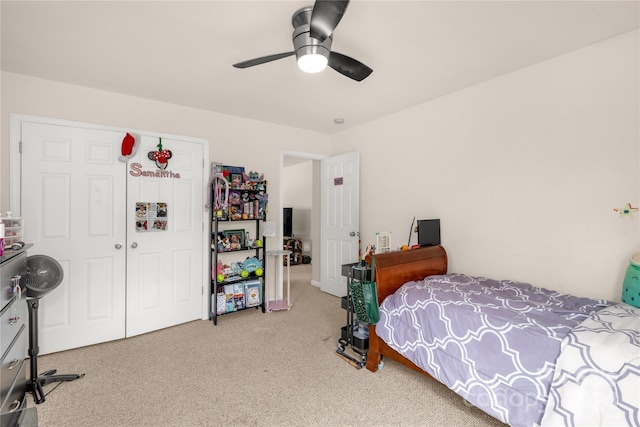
{"x":271,"y":369}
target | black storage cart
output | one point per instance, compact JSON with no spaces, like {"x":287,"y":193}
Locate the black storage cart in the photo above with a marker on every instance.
{"x":355,"y":334}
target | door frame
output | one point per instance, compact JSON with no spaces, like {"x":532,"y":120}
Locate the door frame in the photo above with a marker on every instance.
{"x":15,"y":176}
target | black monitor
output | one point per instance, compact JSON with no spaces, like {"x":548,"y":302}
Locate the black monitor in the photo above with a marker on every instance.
{"x":428,"y":232}
{"x":287,"y":221}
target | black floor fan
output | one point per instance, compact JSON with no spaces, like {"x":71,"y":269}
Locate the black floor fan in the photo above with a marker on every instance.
{"x":43,"y":275}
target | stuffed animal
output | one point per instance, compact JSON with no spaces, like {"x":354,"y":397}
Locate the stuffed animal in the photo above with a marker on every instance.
{"x":253,"y":265}
{"x":253,"y":177}
{"x":223,"y":243}
{"x":263,"y":199}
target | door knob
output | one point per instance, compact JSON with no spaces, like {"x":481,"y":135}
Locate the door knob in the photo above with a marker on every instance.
{"x":134,"y":245}
{"x":352,"y":234}
{"x":118,"y":245}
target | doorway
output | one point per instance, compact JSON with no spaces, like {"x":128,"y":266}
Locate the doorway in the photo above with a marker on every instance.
{"x":300,"y":190}
{"x":335,"y":220}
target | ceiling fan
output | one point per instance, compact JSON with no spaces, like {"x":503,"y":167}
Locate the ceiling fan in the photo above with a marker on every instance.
{"x":312,"y":38}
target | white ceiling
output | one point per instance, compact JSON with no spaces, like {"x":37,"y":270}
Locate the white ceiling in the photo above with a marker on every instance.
{"x":182,"y":52}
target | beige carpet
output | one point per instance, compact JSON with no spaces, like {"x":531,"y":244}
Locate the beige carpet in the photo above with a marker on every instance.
{"x":272,"y":369}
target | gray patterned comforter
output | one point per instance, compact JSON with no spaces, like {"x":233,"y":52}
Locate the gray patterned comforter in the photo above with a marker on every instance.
{"x":493,"y":342}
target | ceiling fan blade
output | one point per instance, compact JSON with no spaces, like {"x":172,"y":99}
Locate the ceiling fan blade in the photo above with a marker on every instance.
{"x":262,"y":60}
{"x":325,"y":18}
{"x":348,"y":66}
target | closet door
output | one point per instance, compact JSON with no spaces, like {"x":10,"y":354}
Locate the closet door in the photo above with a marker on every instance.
{"x":73,"y":205}
{"x":165,"y":264}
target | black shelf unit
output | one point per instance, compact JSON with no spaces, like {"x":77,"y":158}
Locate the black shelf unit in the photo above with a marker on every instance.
{"x":232,"y":221}
{"x":218,"y":286}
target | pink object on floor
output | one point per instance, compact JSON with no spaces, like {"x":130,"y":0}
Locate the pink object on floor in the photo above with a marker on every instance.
{"x":278,"y":305}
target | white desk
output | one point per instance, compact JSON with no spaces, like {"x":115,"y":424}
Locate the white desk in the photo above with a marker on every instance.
{"x":276,"y":304}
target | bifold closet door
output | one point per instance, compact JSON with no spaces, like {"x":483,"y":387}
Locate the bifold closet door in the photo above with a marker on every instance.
{"x":73,"y":205}
{"x":79,"y":207}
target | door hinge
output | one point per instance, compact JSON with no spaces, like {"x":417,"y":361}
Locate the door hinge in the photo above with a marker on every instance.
{"x":20,"y":147}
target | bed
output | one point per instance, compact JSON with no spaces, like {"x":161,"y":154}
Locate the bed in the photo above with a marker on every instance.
{"x":525,"y":355}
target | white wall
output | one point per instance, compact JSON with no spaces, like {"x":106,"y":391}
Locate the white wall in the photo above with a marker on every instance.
{"x":232,"y":140}
{"x":524,"y":171}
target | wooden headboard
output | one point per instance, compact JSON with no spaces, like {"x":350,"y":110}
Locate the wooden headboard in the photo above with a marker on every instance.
{"x":394,"y":269}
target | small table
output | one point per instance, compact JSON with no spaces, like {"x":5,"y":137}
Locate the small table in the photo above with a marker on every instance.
{"x":277,"y":305}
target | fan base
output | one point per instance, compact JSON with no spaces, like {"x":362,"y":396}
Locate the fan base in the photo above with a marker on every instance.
{"x":301,"y":17}
{"x":36,"y":384}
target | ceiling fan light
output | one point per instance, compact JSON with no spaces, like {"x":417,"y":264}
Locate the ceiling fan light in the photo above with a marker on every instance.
{"x":312,"y":55}
{"x":312,"y":62}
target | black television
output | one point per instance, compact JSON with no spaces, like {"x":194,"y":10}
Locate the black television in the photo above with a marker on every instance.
{"x":287,"y":222}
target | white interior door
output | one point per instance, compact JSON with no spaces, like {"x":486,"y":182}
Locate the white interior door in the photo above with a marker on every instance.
{"x":340,"y":226}
{"x":73,"y":207}
{"x":164,"y":268}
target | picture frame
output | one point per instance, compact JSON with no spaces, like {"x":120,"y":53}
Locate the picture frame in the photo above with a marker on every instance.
{"x":236,"y":238}
{"x":235,"y":180}
{"x":383,"y":242}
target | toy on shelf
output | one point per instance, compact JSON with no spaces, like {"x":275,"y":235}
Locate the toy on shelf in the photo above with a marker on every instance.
{"x":236,"y":271}
{"x":224,"y":271}
{"x":252,"y":293}
{"x":223,"y":244}
{"x":220,"y":193}
{"x":233,"y":175}
{"x":244,"y":195}
{"x":253,"y":265}
{"x":253,"y":181}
